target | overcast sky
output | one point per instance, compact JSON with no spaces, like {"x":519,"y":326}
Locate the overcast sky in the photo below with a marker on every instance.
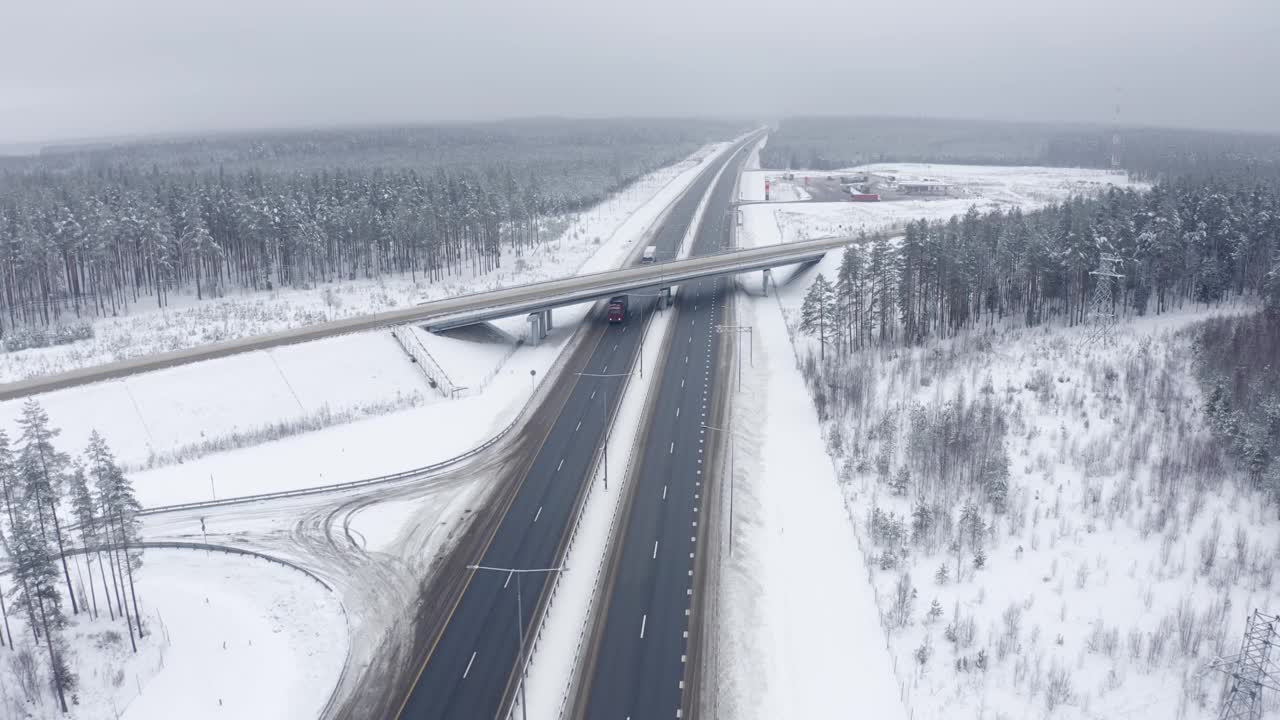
{"x":92,"y":68}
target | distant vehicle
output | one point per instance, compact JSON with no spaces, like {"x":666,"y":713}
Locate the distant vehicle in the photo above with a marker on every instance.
{"x":864,"y":197}
{"x":650,"y":254}
{"x":617,"y":308}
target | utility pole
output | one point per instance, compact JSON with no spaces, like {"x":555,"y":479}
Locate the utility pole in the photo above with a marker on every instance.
{"x":733,"y":451}
{"x":751,"y":345}
{"x":606,"y":410}
{"x":1251,"y":671}
{"x":520,"y":664}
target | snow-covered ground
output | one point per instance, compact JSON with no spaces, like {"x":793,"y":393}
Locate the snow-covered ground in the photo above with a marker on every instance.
{"x":796,"y":631}
{"x":1103,"y":442}
{"x":350,"y":407}
{"x":986,"y":188}
{"x":228,"y":636}
{"x":1107,"y":449}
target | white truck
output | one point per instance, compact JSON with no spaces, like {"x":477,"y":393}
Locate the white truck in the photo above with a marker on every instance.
{"x":650,"y":254}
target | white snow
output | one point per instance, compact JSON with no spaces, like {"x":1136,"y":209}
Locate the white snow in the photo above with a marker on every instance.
{"x":181,"y":415}
{"x":229,"y":636}
{"x":797,"y":633}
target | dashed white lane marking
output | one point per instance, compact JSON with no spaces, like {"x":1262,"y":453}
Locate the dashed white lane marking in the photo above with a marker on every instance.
{"x":593,"y":395}
{"x":464,"y":672}
{"x":672,"y":451}
{"x":682,"y":383}
{"x":606,"y":369}
{"x":560,"y":465}
{"x":537,"y":514}
{"x":664,"y":492}
{"x":677,"y":412}
{"x":579,"y":426}
{"x":655,"y":549}
{"x":644,"y":619}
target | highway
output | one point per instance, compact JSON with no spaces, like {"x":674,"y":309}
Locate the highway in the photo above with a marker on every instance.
{"x":637,"y":664}
{"x":468,"y":669}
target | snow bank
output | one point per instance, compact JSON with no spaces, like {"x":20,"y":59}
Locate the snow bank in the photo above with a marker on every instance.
{"x":228,"y":636}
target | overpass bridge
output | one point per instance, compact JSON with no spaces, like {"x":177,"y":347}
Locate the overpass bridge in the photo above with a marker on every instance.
{"x":537,"y":298}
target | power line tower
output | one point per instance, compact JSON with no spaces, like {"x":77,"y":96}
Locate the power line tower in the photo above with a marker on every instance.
{"x":1252,"y":670}
{"x":1102,"y":315}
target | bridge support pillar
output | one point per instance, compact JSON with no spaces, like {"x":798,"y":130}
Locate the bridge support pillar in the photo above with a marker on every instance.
{"x":547,"y":319}
{"x":537,"y":330}
{"x":664,"y":298}
{"x":765,"y":281}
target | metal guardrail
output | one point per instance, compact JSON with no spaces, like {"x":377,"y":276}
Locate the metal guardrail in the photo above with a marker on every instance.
{"x":413,"y":347}
{"x":380,"y":479}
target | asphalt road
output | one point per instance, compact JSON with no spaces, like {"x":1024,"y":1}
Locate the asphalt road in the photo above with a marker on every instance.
{"x":468,"y":669}
{"x":641,"y":653}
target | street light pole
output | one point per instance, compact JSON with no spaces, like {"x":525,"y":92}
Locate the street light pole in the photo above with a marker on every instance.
{"x":606,"y":408}
{"x":733,"y":451}
{"x":524,"y":704}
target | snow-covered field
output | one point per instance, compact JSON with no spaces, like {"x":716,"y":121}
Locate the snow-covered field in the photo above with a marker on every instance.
{"x":348,"y":407}
{"x":1033,"y":611}
{"x":1103,"y":442}
{"x":228,"y":636}
{"x":986,"y":188}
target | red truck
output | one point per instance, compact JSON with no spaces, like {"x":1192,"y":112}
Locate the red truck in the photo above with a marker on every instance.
{"x":617,"y":308}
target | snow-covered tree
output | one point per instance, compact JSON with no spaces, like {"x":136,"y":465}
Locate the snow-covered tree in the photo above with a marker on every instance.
{"x":818,"y":313}
{"x":42,"y":473}
{"x":118,"y":507}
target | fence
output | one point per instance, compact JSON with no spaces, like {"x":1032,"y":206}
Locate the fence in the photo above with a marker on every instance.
{"x":413,"y":347}
{"x":548,"y":597}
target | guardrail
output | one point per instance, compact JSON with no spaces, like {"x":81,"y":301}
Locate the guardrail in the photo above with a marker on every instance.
{"x":392,"y":477}
{"x":537,"y":627}
{"x":418,"y":353}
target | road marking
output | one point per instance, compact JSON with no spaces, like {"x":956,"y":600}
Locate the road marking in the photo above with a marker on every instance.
{"x":643,"y":620}
{"x":664,"y":492}
{"x":606,"y":369}
{"x":672,"y":451}
{"x":560,"y":465}
{"x":536,"y":516}
{"x":615,"y":346}
{"x":682,"y":383}
{"x":655,"y":549}
{"x":464,"y":672}
{"x":686,"y":359}
{"x":579,"y":426}
{"x":593,"y":395}
{"x":677,"y":412}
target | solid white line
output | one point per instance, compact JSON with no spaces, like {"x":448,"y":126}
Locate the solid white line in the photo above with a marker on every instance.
{"x":464,"y":672}
{"x":560,"y":465}
{"x":643,"y":620}
{"x":538,"y":514}
{"x":672,"y":451}
{"x":655,"y":549}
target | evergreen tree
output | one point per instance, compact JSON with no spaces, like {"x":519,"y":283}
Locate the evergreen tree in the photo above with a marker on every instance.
{"x":35,"y":565}
{"x":82,"y":505}
{"x":118,"y":507}
{"x":818,"y":313}
{"x":42,"y":471}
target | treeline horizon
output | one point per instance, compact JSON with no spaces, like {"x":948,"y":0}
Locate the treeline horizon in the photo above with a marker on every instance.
{"x":91,"y":232}
{"x":1150,"y":153}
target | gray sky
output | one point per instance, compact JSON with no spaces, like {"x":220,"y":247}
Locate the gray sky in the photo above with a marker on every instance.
{"x":89,"y":68}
